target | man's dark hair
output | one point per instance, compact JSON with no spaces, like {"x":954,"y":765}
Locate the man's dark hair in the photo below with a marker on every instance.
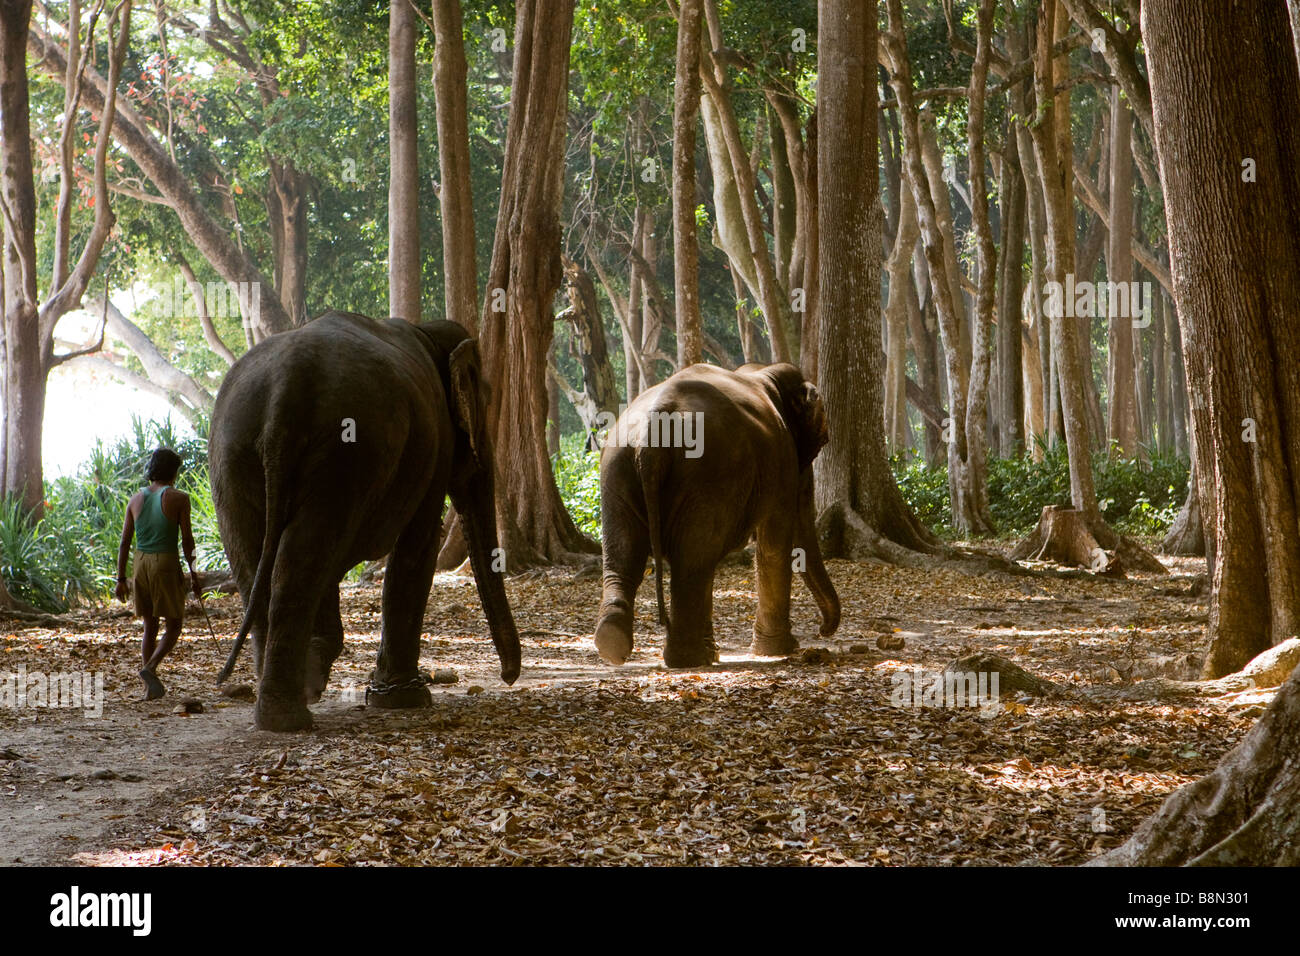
{"x":163,"y":465}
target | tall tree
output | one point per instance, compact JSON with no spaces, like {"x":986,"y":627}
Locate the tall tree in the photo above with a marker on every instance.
{"x":862,"y":511}
{"x":965,"y":476}
{"x":27,"y":338}
{"x":1121,"y":382}
{"x":686,"y":251}
{"x":460,"y":273}
{"x":1235,"y":245}
{"x":517,"y":319}
{"x":403,"y":166}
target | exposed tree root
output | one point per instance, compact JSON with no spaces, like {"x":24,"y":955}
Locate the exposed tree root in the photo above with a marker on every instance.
{"x":1244,"y":813}
{"x":1186,"y":535}
{"x":844,"y":533}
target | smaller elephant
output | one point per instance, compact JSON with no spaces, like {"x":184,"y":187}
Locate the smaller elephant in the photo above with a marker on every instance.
{"x":692,"y":469}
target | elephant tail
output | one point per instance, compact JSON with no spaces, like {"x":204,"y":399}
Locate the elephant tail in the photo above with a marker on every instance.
{"x":649,"y":467}
{"x":259,"y":595}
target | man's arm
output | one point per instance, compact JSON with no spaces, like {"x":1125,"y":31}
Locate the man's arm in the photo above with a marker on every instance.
{"x":187,"y":541}
{"x":124,"y":550}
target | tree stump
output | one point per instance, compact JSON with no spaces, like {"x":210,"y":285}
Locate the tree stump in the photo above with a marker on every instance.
{"x":1066,"y":536}
{"x":1063,"y":536}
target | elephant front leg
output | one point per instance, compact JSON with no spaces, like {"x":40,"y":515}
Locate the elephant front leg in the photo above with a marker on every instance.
{"x":773,"y":562}
{"x":396,"y":682}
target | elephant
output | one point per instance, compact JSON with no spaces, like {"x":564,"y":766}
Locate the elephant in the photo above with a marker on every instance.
{"x":695,"y":503}
{"x":336,"y":443}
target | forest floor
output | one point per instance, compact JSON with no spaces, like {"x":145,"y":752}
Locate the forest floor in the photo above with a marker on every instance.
{"x":804,"y":760}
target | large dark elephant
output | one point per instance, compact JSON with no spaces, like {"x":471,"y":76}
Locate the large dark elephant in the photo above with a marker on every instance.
{"x":334,"y":444}
{"x":745,"y":442}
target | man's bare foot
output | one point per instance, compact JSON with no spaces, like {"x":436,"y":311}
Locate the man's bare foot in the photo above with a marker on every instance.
{"x":154,"y":688}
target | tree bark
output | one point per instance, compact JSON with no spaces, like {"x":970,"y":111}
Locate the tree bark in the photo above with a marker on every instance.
{"x":686,"y":251}
{"x":460,"y":273}
{"x":969,"y":504}
{"x":1121,"y":418}
{"x":403,"y":166}
{"x":534,"y":526}
{"x":1011,"y":396}
{"x":1236,"y":299}
{"x":861,"y":510}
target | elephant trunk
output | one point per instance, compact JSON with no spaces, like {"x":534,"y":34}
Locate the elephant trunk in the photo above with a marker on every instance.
{"x":478,"y":518}
{"x":814,"y":574}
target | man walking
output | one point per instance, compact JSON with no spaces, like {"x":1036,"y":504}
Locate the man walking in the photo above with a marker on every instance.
{"x":154,"y":516}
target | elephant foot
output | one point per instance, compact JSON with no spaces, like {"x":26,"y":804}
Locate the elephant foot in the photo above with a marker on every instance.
{"x":280,"y":715}
{"x":765,"y":646}
{"x":697,"y":655}
{"x":613,"y":640}
{"x":406,"y":695}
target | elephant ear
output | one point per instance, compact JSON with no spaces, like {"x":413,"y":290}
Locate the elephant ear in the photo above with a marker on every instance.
{"x":808,"y":423}
{"x":469,"y":397}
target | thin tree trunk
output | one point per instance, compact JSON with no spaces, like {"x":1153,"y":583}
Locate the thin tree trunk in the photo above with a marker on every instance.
{"x":403,"y":166}
{"x":986,"y":263}
{"x":1011,"y":396}
{"x":1121,"y":420}
{"x":965,"y":497}
{"x":686,"y":251}
{"x":460,"y":272}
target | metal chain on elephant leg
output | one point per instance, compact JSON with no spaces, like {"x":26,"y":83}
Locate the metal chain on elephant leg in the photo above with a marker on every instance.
{"x":418,"y":681}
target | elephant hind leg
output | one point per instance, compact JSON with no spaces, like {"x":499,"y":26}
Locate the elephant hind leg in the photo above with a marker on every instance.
{"x":396,"y":683}
{"x":626,"y":546}
{"x":326,"y":645}
{"x":773,"y":560}
{"x":690,"y":634}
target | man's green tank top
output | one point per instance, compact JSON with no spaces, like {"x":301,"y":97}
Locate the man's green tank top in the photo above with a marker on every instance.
{"x":155,"y":533}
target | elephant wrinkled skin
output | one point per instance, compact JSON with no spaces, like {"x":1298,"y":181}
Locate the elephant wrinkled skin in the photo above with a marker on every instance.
{"x":742,"y":466}
{"x":338,"y":443}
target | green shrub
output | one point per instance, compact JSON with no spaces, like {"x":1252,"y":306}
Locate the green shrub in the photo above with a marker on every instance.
{"x":69,"y":557}
{"x":577,"y":475}
{"x":1134,"y":498}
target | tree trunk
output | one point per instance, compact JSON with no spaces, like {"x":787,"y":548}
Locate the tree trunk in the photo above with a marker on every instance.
{"x":287,"y":212}
{"x":1011,"y":395}
{"x":899,"y":270}
{"x":535,"y":528}
{"x":861,"y":510}
{"x":403,"y":166}
{"x":986,"y":263}
{"x":1121,"y":419}
{"x":969,"y":503}
{"x":24,"y":361}
{"x":587,"y":340}
{"x":460,"y":273}
{"x":1237,"y":299}
{"x":686,"y":251}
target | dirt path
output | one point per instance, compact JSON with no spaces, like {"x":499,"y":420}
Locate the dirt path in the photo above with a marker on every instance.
{"x":141,"y":784}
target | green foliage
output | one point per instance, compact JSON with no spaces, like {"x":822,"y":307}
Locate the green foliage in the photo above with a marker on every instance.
{"x":1135,"y":498}
{"x":577,"y":475}
{"x":69,"y":557}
